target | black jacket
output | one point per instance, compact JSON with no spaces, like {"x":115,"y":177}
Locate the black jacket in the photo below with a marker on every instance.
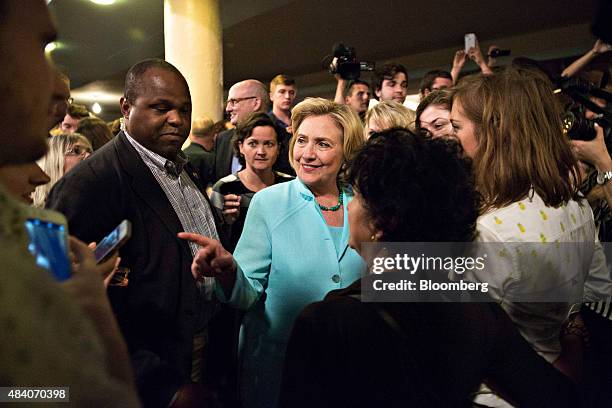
{"x":158,"y":309}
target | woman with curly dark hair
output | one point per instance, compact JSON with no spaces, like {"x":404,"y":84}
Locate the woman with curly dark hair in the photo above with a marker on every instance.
{"x":411,"y":188}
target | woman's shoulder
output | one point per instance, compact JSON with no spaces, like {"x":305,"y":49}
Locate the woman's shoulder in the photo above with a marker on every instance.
{"x":280,"y":201}
{"x":231,"y":178}
{"x":280,"y":177}
{"x":226,"y":183}
{"x":278,"y":191}
{"x":531,"y":215}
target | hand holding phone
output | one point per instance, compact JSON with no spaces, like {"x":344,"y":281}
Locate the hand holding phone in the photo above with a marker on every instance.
{"x":470,"y":41}
{"x":49,"y":245}
{"x":113,"y":241}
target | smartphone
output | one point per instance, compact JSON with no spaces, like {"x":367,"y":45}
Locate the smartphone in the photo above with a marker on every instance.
{"x":470,"y":41}
{"x":113,"y":241}
{"x":48,"y":243}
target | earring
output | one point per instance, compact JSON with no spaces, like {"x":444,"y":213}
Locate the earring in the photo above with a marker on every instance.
{"x":373,"y":237}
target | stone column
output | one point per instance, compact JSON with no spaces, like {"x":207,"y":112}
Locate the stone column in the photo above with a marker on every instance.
{"x":194,"y":44}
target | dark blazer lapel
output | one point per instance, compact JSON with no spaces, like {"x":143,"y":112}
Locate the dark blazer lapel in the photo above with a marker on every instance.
{"x":224,"y":155}
{"x":145,"y":185}
{"x":193,"y":175}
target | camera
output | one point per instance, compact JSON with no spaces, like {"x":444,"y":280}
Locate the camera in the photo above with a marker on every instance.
{"x":346,"y":64}
{"x":575,"y":124}
{"x":496,"y":52}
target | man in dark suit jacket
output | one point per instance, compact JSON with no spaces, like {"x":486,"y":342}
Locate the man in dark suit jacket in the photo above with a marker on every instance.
{"x":225,"y":160}
{"x":201,"y":149}
{"x":243,"y":98}
{"x":139,"y":176}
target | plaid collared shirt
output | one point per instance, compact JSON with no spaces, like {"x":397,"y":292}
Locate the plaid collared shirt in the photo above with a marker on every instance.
{"x":188,"y":202}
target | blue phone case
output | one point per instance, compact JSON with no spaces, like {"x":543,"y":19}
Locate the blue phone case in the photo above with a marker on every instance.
{"x":49,"y":245}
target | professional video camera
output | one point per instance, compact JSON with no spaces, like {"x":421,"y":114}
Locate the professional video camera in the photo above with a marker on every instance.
{"x":343,"y":62}
{"x":575,"y":125}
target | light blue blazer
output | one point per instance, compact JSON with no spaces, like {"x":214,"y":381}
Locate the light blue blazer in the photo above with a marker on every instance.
{"x":286,"y":259}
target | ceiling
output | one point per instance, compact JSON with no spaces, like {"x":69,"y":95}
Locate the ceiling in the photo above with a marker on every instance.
{"x":264,"y":37}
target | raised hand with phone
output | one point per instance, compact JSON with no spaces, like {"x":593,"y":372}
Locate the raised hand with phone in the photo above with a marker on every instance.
{"x":472,"y":51}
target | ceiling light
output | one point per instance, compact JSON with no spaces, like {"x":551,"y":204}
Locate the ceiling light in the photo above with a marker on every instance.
{"x":103,"y":2}
{"x":49,"y":48}
{"x":96,"y":108}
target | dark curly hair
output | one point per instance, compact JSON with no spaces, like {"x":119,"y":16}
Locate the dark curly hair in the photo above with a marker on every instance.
{"x":245,"y":129}
{"x":416,"y":189}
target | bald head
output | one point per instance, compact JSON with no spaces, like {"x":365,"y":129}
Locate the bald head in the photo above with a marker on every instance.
{"x":246,"y":97}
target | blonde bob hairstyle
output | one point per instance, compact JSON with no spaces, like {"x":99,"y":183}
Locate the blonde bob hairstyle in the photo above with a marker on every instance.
{"x":520,"y":143}
{"x":53,"y":162}
{"x":342,"y":115}
{"x":389,"y":114}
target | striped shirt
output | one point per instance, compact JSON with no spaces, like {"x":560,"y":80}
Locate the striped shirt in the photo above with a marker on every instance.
{"x":188,"y":202}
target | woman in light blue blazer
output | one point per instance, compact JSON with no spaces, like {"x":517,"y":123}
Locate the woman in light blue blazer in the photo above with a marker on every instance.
{"x":294,"y":245}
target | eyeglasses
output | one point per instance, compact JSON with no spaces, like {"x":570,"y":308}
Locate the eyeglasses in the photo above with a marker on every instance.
{"x":234,"y":101}
{"x":78,"y":151}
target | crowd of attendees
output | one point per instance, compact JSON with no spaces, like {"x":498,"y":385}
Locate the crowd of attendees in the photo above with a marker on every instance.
{"x":249,"y":246}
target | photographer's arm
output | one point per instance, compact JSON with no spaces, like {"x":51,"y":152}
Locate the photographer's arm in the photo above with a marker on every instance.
{"x":598,"y":48}
{"x":340,"y":83}
{"x":596,"y":153}
{"x":339,"y":97}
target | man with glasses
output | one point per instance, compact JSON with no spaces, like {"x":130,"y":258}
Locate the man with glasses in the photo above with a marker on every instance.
{"x":244,"y":97}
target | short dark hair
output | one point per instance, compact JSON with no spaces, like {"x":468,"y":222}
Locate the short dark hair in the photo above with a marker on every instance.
{"x":245,"y":129}
{"x":430,"y":77}
{"x":78,"y":111}
{"x":349,"y":88}
{"x":281,"y":79}
{"x":388,"y":71}
{"x":96,"y":131}
{"x":133,"y":78}
{"x":434,"y":173}
{"x":440,"y":97}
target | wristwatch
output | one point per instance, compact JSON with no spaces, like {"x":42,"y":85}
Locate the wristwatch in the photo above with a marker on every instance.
{"x":604,"y":176}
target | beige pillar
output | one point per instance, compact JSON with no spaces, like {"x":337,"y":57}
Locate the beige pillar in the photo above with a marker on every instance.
{"x":193,"y":43}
